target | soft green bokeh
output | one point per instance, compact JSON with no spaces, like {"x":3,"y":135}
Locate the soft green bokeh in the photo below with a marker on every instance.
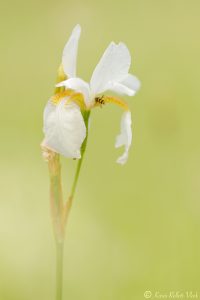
{"x":132,"y":228}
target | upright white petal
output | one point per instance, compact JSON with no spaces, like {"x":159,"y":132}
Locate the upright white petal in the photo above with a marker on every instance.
{"x":69,"y":56}
{"x":64,"y":128}
{"x":78,"y":85}
{"x":125,"y":136}
{"x":112,"y":67}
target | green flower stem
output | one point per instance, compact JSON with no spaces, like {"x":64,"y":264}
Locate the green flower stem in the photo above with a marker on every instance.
{"x":68,"y":204}
{"x":86,"y":119}
{"x":57,"y":212}
{"x":59,"y":270}
{"x":56,"y":197}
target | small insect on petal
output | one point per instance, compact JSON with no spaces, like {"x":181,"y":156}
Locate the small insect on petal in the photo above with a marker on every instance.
{"x":117,"y":101}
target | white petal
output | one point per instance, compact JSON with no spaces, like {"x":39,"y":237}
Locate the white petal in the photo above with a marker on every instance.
{"x":113,"y":66}
{"x":131,"y":82}
{"x":78,"y":85}
{"x":125,"y":136}
{"x":120,"y":88}
{"x":69,"y":56}
{"x":64,"y":128}
{"x":128,"y":86}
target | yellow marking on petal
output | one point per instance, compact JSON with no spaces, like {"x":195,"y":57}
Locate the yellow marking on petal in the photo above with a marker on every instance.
{"x":59,"y":96}
{"x":99,"y":101}
{"x":78,"y":98}
{"x":60,"y":77}
{"x":61,"y":74}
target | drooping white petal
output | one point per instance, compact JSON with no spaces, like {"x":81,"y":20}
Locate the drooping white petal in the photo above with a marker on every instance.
{"x":112,"y":67}
{"x":125,"y":136}
{"x":79,"y":85}
{"x":64,"y":128}
{"x":69,"y":56}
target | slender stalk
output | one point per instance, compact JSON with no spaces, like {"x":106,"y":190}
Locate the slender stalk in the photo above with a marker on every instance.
{"x":59,"y":269}
{"x":78,"y":168}
{"x":86,"y":116}
{"x":56,"y":197}
{"x":69,"y":201}
{"x":57,"y":207}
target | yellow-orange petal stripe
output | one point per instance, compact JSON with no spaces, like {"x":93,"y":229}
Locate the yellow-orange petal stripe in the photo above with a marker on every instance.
{"x":59,"y":96}
{"x":77,"y":98}
{"x":99,"y":101}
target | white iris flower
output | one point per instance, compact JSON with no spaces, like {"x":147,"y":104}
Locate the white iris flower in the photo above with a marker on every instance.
{"x":64,"y":126}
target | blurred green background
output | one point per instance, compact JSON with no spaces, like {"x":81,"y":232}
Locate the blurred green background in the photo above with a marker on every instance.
{"x":132,"y":228}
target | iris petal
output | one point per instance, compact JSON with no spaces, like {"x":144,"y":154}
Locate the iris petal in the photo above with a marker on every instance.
{"x":125,"y":136}
{"x":69,"y":56}
{"x":112,"y":67}
{"x":78,"y":85}
{"x":131,"y":82}
{"x":64,"y":128}
{"x":120,"y":89}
